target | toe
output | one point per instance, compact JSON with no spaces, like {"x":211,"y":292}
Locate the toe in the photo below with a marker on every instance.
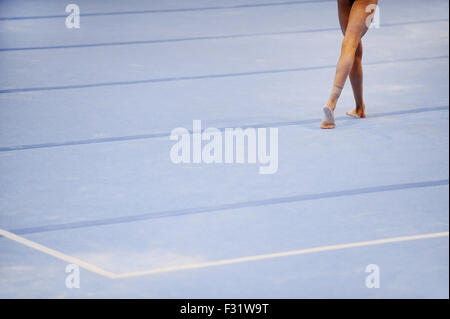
{"x":326,"y":125}
{"x":352,"y":113}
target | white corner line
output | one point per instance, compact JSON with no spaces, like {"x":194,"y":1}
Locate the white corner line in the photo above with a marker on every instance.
{"x":282,"y":254}
{"x":56,"y":254}
{"x":222,"y":262}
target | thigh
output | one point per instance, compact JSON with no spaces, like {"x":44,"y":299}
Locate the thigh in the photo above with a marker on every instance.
{"x":344,"y":7}
{"x":359,"y":18}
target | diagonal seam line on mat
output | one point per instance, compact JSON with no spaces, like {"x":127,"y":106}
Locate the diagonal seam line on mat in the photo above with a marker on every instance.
{"x":202,"y":38}
{"x":170,"y":40}
{"x":205,"y":76}
{"x":100,"y":271}
{"x":222,"y":207}
{"x":166,"y":134}
{"x":153,"y":11}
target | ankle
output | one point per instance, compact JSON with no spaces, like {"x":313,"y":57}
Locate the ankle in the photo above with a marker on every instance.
{"x":331,"y":104}
{"x":360,"y":107}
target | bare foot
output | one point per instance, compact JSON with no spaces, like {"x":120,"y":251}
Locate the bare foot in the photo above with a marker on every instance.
{"x":328,"y":119}
{"x":358,"y":113}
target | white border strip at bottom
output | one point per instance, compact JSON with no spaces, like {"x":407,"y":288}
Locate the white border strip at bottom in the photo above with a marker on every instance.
{"x":111,"y":275}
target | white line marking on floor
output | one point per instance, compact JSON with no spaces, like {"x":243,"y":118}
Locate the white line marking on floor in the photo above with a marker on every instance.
{"x":57,"y":254}
{"x":282,"y":254}
{"x":108,"y":274}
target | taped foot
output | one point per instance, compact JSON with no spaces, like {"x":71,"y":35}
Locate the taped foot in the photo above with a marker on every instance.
{"x":328,"y":118}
